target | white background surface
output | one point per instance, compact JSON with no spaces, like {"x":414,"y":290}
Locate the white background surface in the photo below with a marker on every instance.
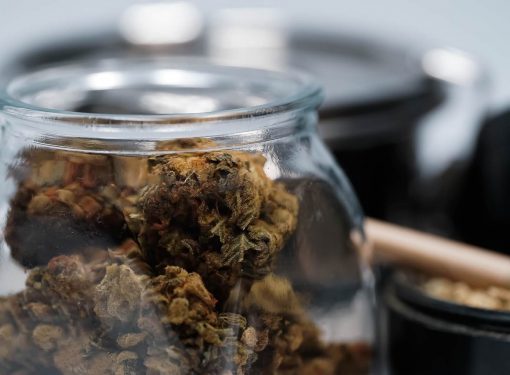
{"x":481,"y":27}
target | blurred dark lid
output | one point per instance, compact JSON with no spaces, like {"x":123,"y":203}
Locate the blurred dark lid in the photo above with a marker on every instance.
{"x":359,"y":75}
{"x":362,"y":77}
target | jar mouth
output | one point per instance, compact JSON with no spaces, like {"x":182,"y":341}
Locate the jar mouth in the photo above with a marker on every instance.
{"x":154,"y":95}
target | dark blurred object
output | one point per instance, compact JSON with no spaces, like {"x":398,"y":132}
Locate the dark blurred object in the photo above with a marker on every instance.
{"x":482,"y":211}
{"x":380,"y":100}
{"x":402,"y":123}
{"x":375,"y":98}
{"x":431,"y":336}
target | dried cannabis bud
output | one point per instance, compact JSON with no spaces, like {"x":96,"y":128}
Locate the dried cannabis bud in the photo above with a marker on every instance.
{"x":291,"y":341}
{"x":157,"y":266}
{"x":68,"y":203}
{"x":123,"y":321}
{"x":216,"y":214}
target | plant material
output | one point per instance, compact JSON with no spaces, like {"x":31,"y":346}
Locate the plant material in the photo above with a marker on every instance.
{"x":159,"y":266}
{"x":214,"y":213}
{"x":68,"y":202}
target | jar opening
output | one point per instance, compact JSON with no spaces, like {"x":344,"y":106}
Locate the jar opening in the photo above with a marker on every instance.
{"x":134,"y":94}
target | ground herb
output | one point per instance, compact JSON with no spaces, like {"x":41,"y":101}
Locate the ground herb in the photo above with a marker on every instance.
{"x":489,"y":298}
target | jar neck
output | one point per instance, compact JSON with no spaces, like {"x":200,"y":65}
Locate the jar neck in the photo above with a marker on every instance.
{"x":140,"y":138}
{"x":132,"y":105}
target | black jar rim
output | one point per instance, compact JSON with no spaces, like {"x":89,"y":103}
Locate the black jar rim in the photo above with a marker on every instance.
{"x":404,"y":286}
{"x":290,"y":94}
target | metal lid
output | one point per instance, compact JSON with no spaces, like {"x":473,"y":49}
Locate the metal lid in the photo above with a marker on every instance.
{"x":358,"y":75}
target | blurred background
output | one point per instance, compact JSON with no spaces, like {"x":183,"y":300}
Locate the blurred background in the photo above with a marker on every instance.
{"x":467,"y":24}
{"x":471,"y":25}
{"x":416,"y":92}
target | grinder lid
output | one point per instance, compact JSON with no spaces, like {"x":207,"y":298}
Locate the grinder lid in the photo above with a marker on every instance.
{"x":359,"y":75}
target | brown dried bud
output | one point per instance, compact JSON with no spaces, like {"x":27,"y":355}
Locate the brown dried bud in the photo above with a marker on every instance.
{"x":158,"y":266}
{"x":126,"y":363}
{"x":46,"y":336}
{"x":130,"y":340}
{"x":215,"y":213}
{"x":273,"y":295}
{"x":64,"y":286}
{"x":117,"y":298}
{"x":180,"y":299}
{"x":250,"y":337}
{"x":166,"y":361}
{"x":54,"y":221}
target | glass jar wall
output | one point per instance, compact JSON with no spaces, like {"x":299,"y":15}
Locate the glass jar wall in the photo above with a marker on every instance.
{"x":176,"y":217}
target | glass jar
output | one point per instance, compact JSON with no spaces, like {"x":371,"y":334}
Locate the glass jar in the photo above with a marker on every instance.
{"x":176,"y":217}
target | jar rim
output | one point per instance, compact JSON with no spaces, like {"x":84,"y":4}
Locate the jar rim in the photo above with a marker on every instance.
{"x":302,"y":94}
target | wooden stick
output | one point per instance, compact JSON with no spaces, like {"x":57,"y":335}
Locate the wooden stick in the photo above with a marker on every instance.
{"x":437,"y":255}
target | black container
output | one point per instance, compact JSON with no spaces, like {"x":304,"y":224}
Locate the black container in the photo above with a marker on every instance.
{"x":376,"y":96}
{"x":482,"y":209}
{"x":429,"y":336}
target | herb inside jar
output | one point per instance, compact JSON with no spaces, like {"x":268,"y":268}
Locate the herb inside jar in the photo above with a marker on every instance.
{"x":160,"y":265}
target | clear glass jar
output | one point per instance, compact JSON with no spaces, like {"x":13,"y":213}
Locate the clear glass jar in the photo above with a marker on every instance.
{"x":176,"y":217}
